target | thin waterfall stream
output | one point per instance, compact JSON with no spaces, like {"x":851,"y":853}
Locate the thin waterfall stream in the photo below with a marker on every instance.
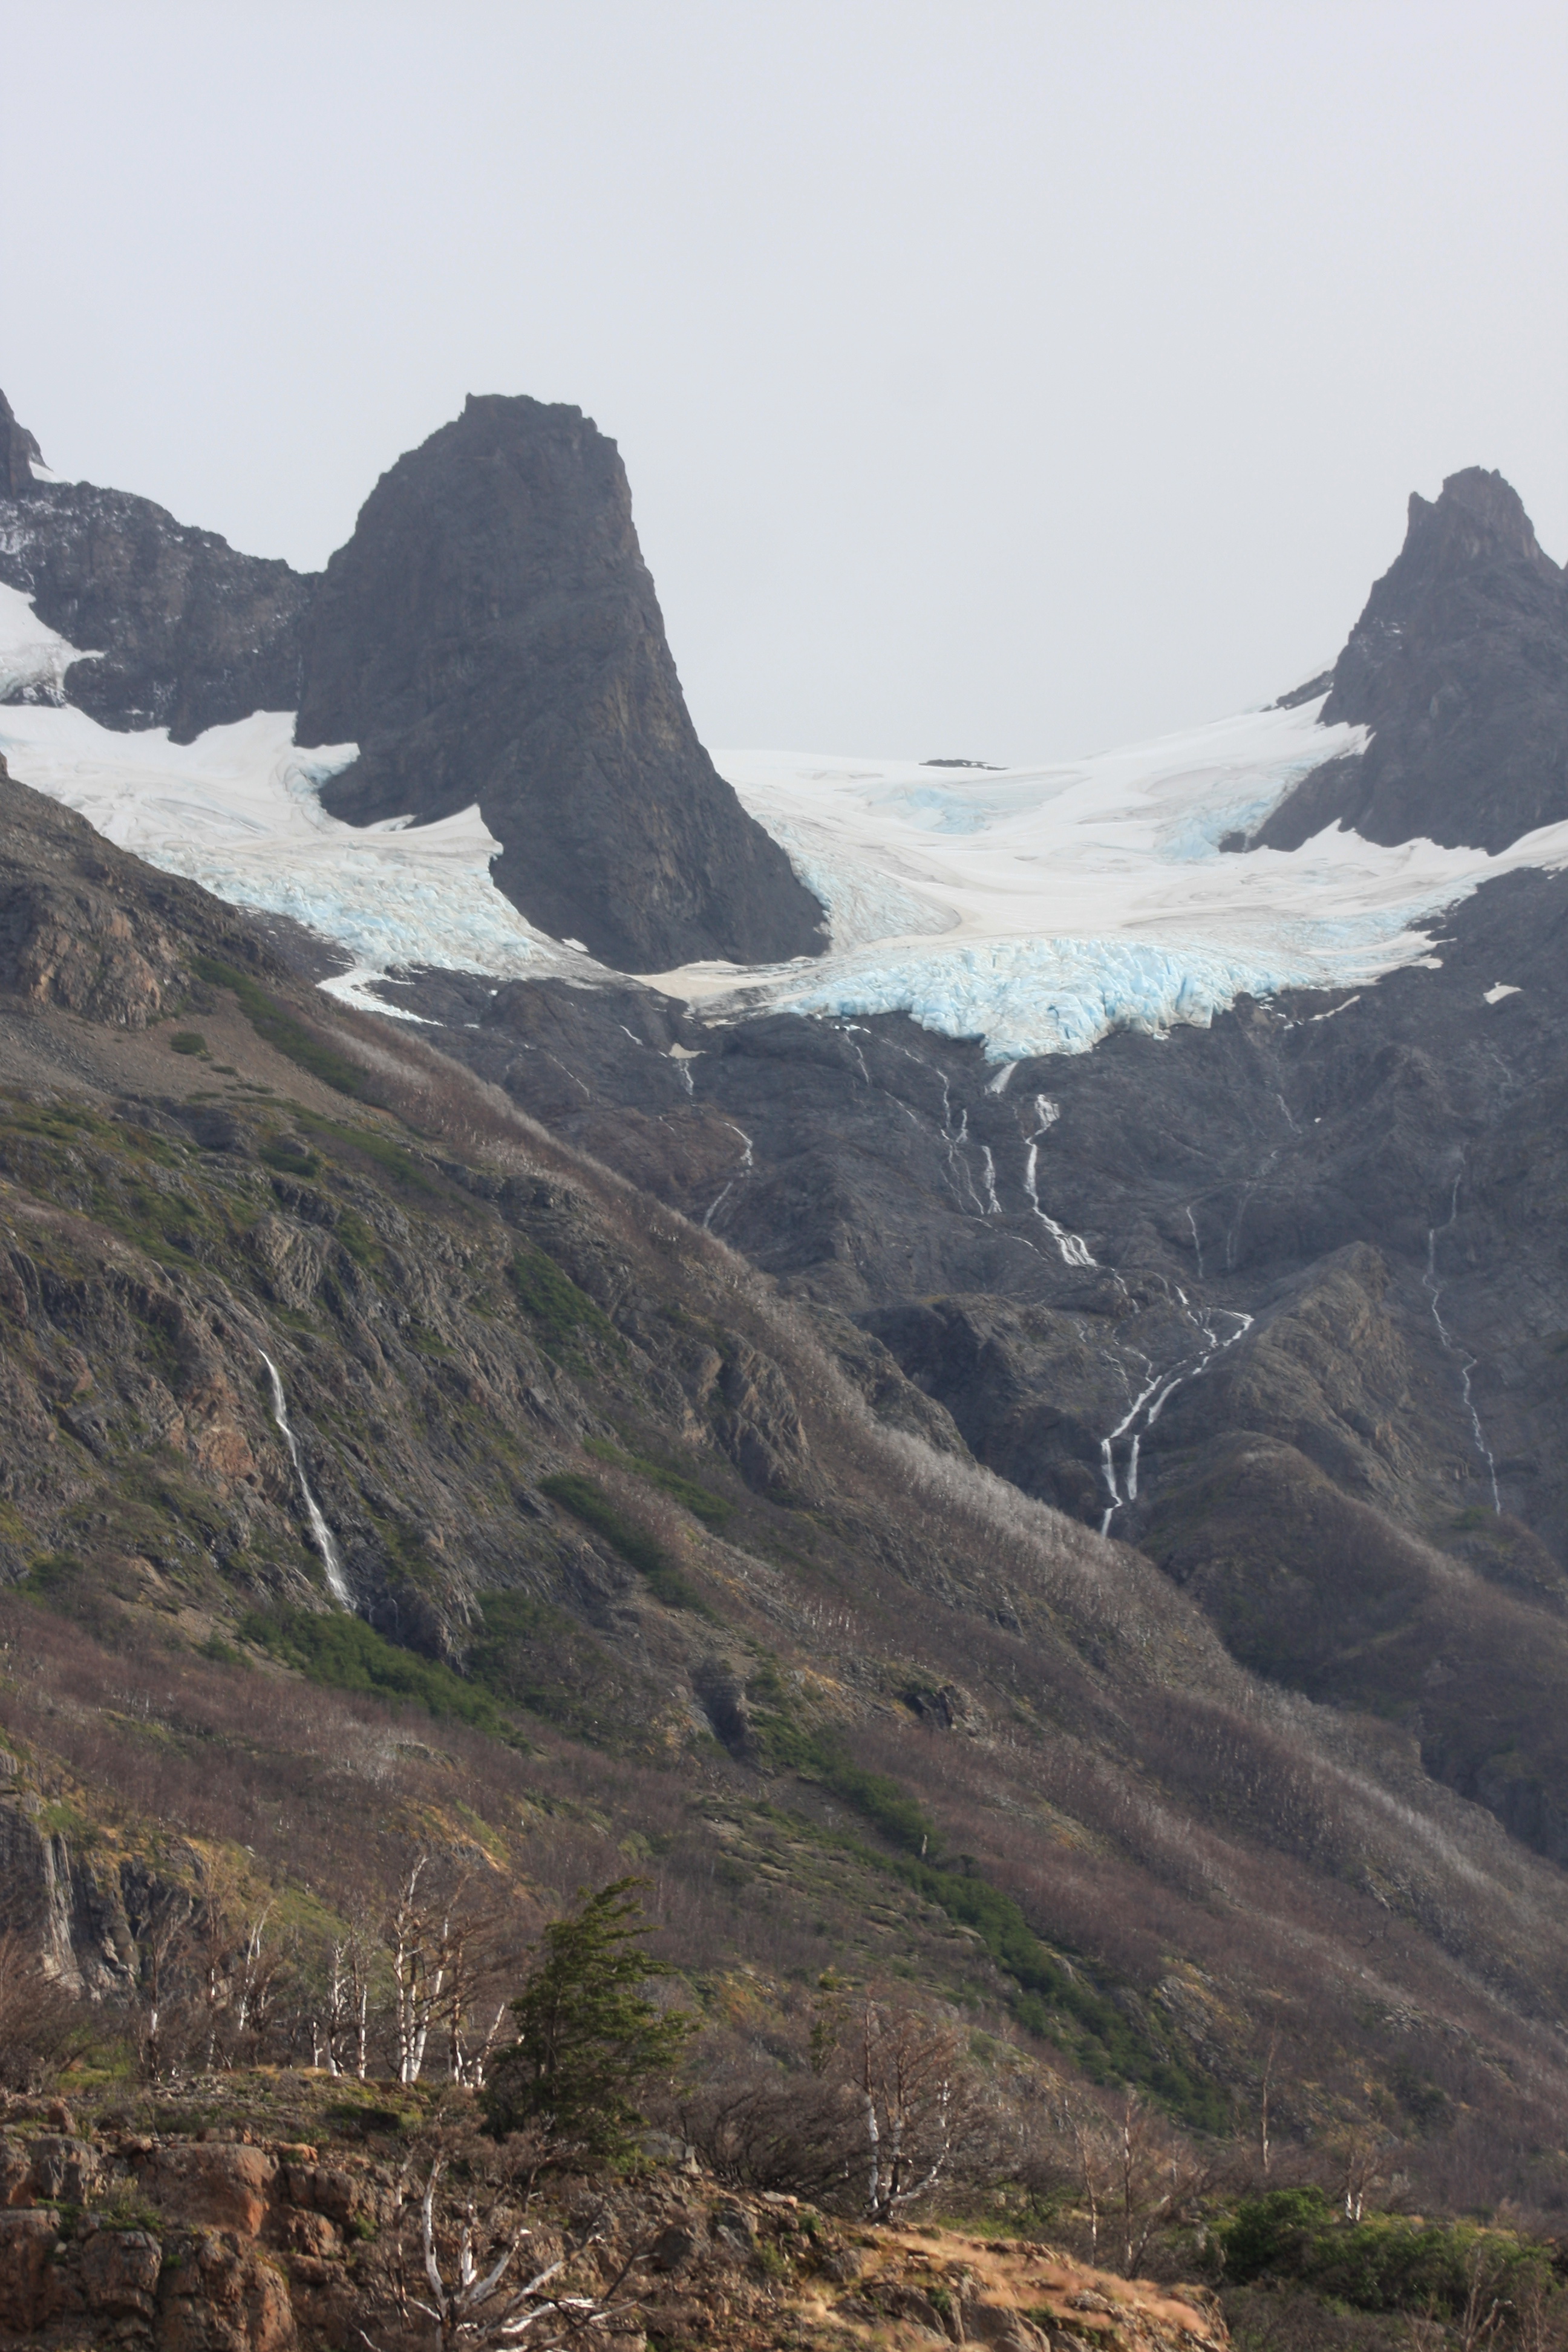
{"x":1434,"y":1289}
{"x":320,"y":1530}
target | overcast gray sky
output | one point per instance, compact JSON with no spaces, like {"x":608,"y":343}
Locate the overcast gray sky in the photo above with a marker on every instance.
{"x":1000,"y":380}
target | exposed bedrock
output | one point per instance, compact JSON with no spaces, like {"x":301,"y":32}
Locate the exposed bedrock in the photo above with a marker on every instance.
{"x":183,"y":630}
{"x":1326,"y":1303}
{"x":491,"y":633}
{"x":1460,"y":665}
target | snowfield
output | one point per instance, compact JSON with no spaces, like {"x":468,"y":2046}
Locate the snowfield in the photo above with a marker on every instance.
{"x":1042,"y":908}
{"x":239,"y":811}
{"x":1036,"y":908}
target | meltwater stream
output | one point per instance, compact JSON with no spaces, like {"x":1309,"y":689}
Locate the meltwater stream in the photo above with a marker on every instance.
{"x":319,"y":1527}
{"x":1434,"y":1289}
{"x":1161,"y":1388}
{"x":1075,"y":1249}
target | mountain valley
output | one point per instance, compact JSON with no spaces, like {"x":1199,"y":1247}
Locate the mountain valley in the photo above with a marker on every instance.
{"x":1075,"y":1537}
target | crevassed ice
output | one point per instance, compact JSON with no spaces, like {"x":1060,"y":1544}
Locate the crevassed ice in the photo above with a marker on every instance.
{"x":1056,"y":904}
{"x":1036,"y":907}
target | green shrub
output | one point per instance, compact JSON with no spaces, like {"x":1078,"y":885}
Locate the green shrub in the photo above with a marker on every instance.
{"x":563,"y":1313}
{"x":703,"y":1504}
{"x":588,"y":1502}
{"x":1386,"y":2262}
{"x":346,"y":1654}
{"x":187,"y":1041}
{"x":382,"y":1150}
{"x":289,"y":1158}
{"x":531,"y":1656}
{"x":281,"y":1030}
{"x":819,"y":1757}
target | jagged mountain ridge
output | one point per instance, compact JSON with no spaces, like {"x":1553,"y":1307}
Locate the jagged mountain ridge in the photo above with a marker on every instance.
{"x":493,"y":633}
{"x":184,"y":632}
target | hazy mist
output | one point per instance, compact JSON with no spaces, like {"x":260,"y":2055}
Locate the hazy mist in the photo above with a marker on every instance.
{"x":993,"y":379}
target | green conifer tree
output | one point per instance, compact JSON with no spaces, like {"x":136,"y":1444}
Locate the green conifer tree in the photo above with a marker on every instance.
{"x":588,"y":2039}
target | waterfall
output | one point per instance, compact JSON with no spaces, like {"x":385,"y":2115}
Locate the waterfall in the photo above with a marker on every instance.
{"x":744,"y":1170}
{"x":1075,"y":1249}
{"x":1434,"y":1289}
{"x":320,"y":1530}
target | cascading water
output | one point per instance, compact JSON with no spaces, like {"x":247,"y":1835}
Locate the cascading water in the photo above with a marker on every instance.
{"x":1434,"y":1289}
{"x":747,"y":1162}
{"x":320,"y":1530}
{"x":1166,"y":1383}
{"x":1197,"y":1244}
{"x":1074,"y":1249}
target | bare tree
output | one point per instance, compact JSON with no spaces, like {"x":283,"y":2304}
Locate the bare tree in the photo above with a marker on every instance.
{"x":341,"y":2042}
{"x":1361,"y":2173}
{"x":907,"y":2071}
{"x":416,"y":1974}
{"x":160,"y":1937}
{"x":1135,"y":2177}
{"x":471,"y":2308}
{"x":446,"y":1952}
{"x":232,"y":1969}
{"x":1486,"y":2309}
{"x":42,"y":2025}
{"x":1263,"y":2146}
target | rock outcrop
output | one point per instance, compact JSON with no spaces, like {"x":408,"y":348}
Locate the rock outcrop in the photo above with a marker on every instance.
{"x":1459,"y":665}
{"x":185,"y":631}
{"x":223,"y":2244}
{"x":490,"y":633}
{"x":87,"y":928}
{"x":18,"y":451}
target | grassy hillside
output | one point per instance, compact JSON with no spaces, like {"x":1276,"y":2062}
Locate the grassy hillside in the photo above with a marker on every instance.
{"x":639,"y":1576}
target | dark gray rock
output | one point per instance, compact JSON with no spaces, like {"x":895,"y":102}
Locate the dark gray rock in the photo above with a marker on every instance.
{"x":18,"y":451}
{"x":490,"y":633}
{"x":186,"y":632}
{"x":1460,"y":665}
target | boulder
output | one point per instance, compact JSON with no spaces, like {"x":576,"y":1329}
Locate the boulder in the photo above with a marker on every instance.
{"x":212,"y":2187}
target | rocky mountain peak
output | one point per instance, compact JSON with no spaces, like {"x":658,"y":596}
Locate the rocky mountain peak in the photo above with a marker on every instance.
{"x":1459,"y":665}
{"x":18,"y":450}
{"x":1477,"y":515}
{"x":490,"y":633}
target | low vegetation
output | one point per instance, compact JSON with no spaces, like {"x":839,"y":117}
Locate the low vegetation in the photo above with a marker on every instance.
{"x":281,"y":1029}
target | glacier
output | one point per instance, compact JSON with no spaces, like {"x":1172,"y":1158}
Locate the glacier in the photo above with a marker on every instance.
{"x":239,"y":811}
{"x":1036,"y":907}
{"x":1040,"y":909}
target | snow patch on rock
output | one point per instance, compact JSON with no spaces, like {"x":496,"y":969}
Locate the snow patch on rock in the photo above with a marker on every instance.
{"x":240,"y":811}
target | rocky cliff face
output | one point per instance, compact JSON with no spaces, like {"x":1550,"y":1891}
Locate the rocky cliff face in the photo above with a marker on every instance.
{"x":18,"y":449}
{"x":1460,"y":665}
{"x":246,"y":2240}
{"x":185,"y":631}
{"x":490,"y":633}
{"x":1323,"y":1239}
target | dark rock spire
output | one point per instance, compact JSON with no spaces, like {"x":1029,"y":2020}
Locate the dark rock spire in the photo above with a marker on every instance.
{"x":17,"y":450}
{"x":1459,"y":665}
{"x":490,"y":633}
